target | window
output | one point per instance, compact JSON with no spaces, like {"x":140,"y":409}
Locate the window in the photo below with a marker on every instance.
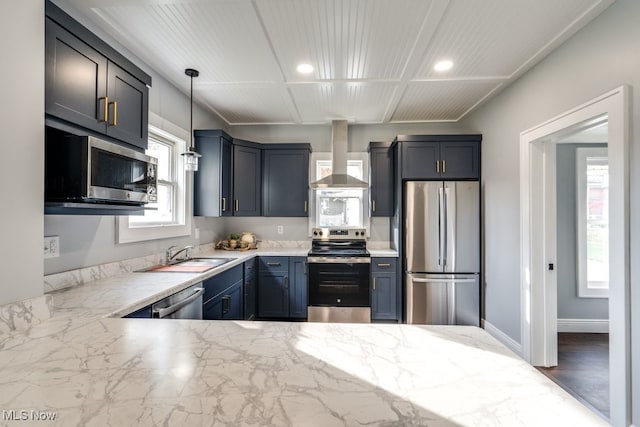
{"x":339,"y":207}
{"x":171,"y":215}
{"x":592,"y":209}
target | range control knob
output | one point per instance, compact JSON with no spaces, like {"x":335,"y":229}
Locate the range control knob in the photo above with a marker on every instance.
{"x":315,"y":233}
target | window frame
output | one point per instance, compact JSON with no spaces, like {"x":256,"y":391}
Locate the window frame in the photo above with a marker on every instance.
{"x":313,"y":172}
{"x":584,"y":290}
{"x":183,"y":205}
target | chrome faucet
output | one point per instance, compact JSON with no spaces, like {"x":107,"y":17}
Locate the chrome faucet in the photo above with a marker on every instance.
{"x":172,"y":257}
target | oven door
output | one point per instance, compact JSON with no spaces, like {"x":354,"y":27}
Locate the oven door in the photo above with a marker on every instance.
{"x":339,"y":282}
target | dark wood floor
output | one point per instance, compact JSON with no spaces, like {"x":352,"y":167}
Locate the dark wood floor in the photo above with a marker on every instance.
{"x":583,"y":369}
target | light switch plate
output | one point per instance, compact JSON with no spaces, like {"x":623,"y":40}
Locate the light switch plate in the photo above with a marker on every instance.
{"x":51,"y":246}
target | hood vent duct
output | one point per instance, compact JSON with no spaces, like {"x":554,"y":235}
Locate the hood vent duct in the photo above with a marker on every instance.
{"x":339,"y":177}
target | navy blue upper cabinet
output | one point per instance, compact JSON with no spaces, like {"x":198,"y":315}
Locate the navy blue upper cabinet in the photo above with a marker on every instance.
{"x":444,"y":157}
{"x":381,"y":179}
{"x":212,"y":182}
{"x":247,"y":178}
{"x":285,"y":182}
{"x":128,"y":107}
{"x":89,"y":85}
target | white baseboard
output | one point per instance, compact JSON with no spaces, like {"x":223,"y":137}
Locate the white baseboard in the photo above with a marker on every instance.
{"x":505,"y":339}
{"x":584,"y":325}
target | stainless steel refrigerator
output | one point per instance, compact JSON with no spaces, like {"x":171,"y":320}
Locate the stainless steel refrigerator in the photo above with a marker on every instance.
{"x":442,"y":250}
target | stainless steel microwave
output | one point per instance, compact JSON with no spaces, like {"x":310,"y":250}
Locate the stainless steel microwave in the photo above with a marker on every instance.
{"x":86,"y":169}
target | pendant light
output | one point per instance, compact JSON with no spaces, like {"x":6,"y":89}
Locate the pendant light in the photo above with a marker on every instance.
{"x":191,"y":156}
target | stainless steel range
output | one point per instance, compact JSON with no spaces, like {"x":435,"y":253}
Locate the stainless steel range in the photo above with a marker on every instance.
{"x":339,"y":271}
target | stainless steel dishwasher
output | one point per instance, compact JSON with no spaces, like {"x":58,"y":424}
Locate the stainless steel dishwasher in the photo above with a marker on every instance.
{"x":186,"y":304}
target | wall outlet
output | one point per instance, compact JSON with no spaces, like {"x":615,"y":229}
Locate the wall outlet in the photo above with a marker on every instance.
{"x":51,"y":246}
{"x":196,"y":233}
{"x":280,"y":229}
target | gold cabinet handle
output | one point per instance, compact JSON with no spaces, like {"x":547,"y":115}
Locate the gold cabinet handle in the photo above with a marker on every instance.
{"x":444,"y":166}
{"x":384,"y":264}
{"x":374,"y":283}
{"x":115,"y":113}
{"x":237,"y":205}
{"x":105,"y":112}
{"x":224,"y":204}
{"x":437,"y":166}
{"x":373,"y":205}
{"x":273,"y":264}
{"x":305,"y":206}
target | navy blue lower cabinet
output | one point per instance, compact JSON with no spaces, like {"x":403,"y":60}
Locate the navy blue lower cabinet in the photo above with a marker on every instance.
{"x":298,"y":299}
{"x":250,"y":277}
{"x":282,"y":287}
{"x":225,"y":306}
{"x":273,"y":296}
{"x":384,"y":289}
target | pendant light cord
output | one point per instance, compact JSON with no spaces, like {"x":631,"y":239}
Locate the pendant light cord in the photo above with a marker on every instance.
{"x":191,"y":148}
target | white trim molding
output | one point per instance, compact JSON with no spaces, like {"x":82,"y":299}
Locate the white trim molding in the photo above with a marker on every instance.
{"x":584,"y":326}
{"x":538,"y":301}
{"x":505,"y":339}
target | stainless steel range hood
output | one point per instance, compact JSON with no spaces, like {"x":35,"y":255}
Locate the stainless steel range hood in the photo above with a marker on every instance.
{"x":339,"y":177}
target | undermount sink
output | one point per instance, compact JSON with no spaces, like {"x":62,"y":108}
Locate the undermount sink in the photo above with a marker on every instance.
{"x":191,"y":265}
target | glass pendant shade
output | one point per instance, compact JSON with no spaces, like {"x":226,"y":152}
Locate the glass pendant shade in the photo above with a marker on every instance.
{"x":191,"y":160}
{"x":191,"y":156}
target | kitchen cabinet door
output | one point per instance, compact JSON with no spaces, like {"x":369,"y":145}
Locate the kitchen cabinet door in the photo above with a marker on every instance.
{"x":419,"y":160}
{"x":273,"y":284}
{"x":298,"y":299}
{"x":128,"y":107}
{"x":226,"y":305}
{"x":247,"y":180}
{"x":75,"y":79}
{"x":460,"y":160}
{"x":273,"y":295}
{"x":285,"y":182}
{"x":381,"y":179}
{"x":212,"y":183}
{"x":384,"y":289}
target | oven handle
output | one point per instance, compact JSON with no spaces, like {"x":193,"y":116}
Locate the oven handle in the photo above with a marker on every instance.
{"x":338,"y":260}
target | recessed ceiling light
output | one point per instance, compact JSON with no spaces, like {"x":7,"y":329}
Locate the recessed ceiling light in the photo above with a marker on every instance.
{"x":443,"y":66}
{"x":305,"y":68}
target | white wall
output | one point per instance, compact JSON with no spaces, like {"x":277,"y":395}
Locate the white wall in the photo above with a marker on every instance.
{"x":599,"y":58}
{"x":22,"y":160}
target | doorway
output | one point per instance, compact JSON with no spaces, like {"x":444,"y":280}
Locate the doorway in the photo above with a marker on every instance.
{"x":538,"y":240}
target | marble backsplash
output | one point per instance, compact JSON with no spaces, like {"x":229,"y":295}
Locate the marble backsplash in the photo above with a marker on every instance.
{"x":81,"y":276}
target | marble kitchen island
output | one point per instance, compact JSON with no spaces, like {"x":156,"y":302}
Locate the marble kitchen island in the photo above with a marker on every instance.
{"x":121,"y":372}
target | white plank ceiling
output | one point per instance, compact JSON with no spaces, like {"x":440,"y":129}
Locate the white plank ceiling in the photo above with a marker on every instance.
{"x":373,"y":59}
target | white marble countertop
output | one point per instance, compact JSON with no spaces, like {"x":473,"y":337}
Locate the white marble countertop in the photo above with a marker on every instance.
{"x":119,"y":295}
{"x":139,"y":372}
{"x":88,"y":369}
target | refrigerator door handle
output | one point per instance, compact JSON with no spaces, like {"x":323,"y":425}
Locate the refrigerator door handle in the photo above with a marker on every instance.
{"x":415,"y":279}
{"x":442,"y":227}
